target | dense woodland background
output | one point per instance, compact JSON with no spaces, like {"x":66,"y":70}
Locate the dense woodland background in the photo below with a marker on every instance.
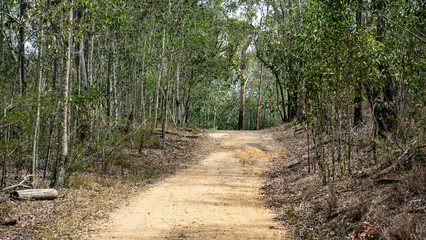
{"x":78,"y":78}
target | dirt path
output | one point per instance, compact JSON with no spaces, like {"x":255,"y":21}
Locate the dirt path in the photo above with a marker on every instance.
{"x":216,"y":199}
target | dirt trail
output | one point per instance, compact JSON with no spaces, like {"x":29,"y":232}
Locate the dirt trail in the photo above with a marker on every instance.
{"x":218,"y":198}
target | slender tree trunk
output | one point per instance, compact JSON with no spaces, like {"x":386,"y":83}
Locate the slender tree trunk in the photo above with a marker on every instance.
{"x":110,"y":105}
{"x":2,"y":48}
{"x":63,"y":119}
{"x":175,"y":100}
{"x":386,"y":112}
{"x":309,"y":157}
{"x":160,"y":75}
{"x":358,"y":96}
{"x":83,"y":72}
{"x":284,"y":115}
{"x":242,"y":101}
{"x":91,"y":113}
{"x":4,"y":158}
{"x":114,"y":84}
{"x":49,"y":148}
{"x":23,"y":76}
{"x":243,"y":81}
{"x":164,"y":127}
{"x":90,"y":53}
{"x":37,"y":123}
{"x":258,"y":99}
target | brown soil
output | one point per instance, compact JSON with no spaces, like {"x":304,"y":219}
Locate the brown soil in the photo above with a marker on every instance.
{"x":218,"y":198}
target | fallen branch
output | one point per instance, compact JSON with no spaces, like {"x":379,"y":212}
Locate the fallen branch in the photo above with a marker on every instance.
{"x":175,"y":146}
{"x":402,"y":159}
{"x":193,"y":136}
{"x":21,"y":184}
{"x":159,"y":132}
{"x":293,"y":165}
{"x":9,"y":222}
{"x":387,"y":181}
{"x":187,"y":129}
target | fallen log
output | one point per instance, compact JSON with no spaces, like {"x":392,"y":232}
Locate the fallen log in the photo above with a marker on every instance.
{"x":187,"y":129}
{"x":193,"y":136}
{"x":387,"y":181}
{"x":159,"y":132}
{"x":10,"y":222}
{"x":35,"y":194}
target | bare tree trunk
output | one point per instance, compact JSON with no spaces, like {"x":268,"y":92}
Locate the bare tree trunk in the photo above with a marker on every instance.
{"x":386,"y":112}
{"x":175,"y":100}
{"x":243,"y":82}
{"x":83,"y":72}
{"x":52,"y":118}
{"x":49,"y":148}
{"x":164,"y":127}
{"x":4,"y":159}
{"x":110,"y":105}
{"x":2,"y":48}
{"x":22,"y":48}
{"x":91,"y":113}
{"x":90,"y":53}
{"x":309,"y":157}
{"x":258,"y":99}
{"x":160,"y":75}
{"x":63,"y":120}
{"x":114,"y":84}
{"x":37,"y":123}
{"x":242,"y":102}
{"x":358,"y":96}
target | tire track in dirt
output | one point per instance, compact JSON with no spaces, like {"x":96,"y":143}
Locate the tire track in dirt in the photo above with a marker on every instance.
{"x":218,"y":198}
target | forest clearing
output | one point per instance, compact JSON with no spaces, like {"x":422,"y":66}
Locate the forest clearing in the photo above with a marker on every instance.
{"x":243,"y":119}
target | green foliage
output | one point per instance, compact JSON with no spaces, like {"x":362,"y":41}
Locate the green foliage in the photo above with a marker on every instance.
{"x":318,"y":61}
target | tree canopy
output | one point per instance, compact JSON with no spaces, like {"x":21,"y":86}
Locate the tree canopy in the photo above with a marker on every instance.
{"x":74,"y":73}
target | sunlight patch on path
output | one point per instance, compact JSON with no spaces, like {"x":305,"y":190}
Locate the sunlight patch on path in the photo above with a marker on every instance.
{"x":218,"y":135}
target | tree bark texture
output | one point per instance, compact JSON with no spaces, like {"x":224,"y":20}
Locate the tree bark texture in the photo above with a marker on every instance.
{"x":23,"y":76}
{"x":36,"y":194}
{"x":63,"y":119}
{"x":258,"y":99}
{"x":243,"y":81}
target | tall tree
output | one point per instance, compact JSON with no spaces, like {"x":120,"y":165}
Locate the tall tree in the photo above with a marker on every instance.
{"x":61,"y":165}
{"x":243,"y":81}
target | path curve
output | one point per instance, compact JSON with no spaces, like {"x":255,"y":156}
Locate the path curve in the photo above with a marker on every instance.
{"x":218,"y":198}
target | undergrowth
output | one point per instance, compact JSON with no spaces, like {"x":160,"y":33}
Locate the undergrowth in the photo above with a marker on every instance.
{"x":99,"y":181}
{"x":390,"y":205}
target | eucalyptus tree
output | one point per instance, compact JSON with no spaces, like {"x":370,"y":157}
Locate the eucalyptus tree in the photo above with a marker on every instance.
{"x":62,"y":161}
{"x":330,"y":58}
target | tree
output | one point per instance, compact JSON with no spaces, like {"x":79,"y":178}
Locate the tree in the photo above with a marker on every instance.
{"x":62,"y":162}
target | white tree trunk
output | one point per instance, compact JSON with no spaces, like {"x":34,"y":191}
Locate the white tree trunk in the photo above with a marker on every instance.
{"x":63,"y":119}
{"x":37,"y":123}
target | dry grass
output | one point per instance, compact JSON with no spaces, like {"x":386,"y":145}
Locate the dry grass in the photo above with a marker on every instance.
{"x":90,"y":195}
{"x":392,"y":206}
{"x":249,"y":154}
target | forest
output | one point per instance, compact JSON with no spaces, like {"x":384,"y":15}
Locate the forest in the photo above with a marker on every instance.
{"x":82,"y":82}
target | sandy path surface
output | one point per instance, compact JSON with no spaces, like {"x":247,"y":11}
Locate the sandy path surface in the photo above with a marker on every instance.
{"x":218,"y":198}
